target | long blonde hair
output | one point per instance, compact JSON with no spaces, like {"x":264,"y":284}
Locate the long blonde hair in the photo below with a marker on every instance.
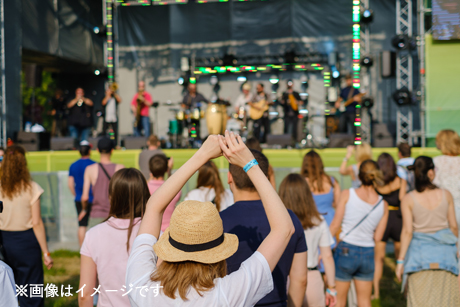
{"x":180,"y":276}
{"x":363,"y":152}
{"x":448,"y":142}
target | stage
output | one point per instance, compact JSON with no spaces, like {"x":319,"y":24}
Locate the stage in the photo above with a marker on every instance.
{"x":54,"y":161}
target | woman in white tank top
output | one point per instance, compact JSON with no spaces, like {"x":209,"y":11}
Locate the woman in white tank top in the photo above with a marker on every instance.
{"x":362,"y":215}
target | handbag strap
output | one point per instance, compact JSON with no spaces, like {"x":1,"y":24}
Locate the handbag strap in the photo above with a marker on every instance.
{"x":104,"y":170}
{"x":363,"y":219}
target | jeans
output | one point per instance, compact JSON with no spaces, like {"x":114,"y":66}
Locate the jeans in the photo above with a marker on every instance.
{"x":290,"y":126}
{"x":353,"y":262}
{"x":263,"y":122}
{"x":144,"y":124}
{"x":347,"y":123}
{"x":80,"y":133}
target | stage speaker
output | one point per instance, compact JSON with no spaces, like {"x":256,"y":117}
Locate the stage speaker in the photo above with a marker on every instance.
{"x":33,"y":141}
{"x":93,"y":142}
{"x":340,"y":140}
{"x":388,"y":64}
{"x":33,"y":75}
{"x":63,"y":143}
{"x":280,"y":139}
{"x":381,"y":136}
{"x":134,"y":142}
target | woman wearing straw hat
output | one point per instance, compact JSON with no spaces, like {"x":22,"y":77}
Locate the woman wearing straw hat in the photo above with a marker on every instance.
{"x":194,"y":248}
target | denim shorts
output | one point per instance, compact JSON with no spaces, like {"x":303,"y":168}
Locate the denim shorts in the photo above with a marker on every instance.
{"x":353,"y":262}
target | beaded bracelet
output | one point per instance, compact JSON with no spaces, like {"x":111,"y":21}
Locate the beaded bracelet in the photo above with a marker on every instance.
{"x":250,"y":164}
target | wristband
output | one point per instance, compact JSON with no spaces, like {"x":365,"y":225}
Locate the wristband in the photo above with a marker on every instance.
{"x":47,"y":254}
{"x":400,"y":261}
{"x":345,"y":159}
{"x":331,"y":292}
{"x":250,"y":164}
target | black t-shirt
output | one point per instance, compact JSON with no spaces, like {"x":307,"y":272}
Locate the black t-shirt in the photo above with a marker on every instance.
{"x":81,"y":116}
{"x":287,"y":104}
{"x":191,"y":102}
{"x":60,"y":106}
{"x":345,"y":93}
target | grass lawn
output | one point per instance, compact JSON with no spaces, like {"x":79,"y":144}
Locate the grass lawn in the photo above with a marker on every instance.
{"x":66,"y":271}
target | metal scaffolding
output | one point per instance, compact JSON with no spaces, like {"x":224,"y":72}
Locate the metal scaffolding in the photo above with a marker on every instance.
{"x":3,"y":137}
{"x":365,"y":76}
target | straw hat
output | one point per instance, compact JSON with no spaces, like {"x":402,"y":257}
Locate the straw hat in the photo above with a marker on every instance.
{"x":247,"y":86}
{"x":195,"y":233}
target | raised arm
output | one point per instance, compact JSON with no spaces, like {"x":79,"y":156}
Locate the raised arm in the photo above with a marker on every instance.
{"x":344,"y":169}
{"x":339,"y":213}
{"x":151,"y":223}
{"x":406,"y":234}
{"x":281,"y":226}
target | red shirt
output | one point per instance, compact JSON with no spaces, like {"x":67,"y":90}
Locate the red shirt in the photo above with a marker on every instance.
{"x":145,"y":108}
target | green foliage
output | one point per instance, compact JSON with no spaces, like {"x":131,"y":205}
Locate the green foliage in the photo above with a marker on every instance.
{"x":43,"y":95}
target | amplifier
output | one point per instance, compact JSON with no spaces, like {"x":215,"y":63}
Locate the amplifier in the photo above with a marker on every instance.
{"x":340,"y":140}
{"x":134,"y":142}
{"x":280,"y":139}
{"x":63,"y":143}
{"x":33,"y":141}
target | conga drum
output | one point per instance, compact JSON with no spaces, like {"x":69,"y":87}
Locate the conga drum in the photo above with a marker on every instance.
{"x":216,"y":118}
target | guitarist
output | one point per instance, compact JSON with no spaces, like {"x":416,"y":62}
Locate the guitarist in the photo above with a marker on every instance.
{"x":347,"y":116}
{"x":262,"y":122}
{"x":291,"y":102}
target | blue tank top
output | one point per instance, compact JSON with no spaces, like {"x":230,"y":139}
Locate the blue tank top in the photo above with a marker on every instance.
{"x":324,"y":204}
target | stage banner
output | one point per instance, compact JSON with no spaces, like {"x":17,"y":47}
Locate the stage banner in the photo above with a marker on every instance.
{"x":442,"y":86}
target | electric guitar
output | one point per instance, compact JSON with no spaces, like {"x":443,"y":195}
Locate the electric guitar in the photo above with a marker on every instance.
{"x":345,"y":104}
{"x":257,"y":109}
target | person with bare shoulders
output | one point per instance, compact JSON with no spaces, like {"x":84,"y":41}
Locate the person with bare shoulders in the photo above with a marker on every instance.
{"x":362,"y":215}
{"x":325,"y":188}
{"x":363,"y":152}
{"x":428,"y":256}
{"x":98,"y":176}
{"x":392,"y":192}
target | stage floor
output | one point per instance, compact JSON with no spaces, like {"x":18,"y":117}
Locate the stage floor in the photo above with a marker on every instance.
{"x":54,"y":161}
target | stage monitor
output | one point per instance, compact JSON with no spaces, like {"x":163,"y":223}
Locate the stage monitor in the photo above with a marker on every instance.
{"x":446,"y":19}
{"x":166,"y":2}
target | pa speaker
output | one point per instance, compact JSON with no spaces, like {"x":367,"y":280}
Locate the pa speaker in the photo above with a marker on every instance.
{"x":33,"y":75}
{"x":63,"y":143}
{"x":280,"y":139}
{"x":33,"y":141}
{"x":388,"y":64}
{"x":134,"y":142}
{"x":340,"y":140}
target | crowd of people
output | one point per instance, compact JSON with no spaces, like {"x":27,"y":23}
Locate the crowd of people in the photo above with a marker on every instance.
{"x":305,"y":245}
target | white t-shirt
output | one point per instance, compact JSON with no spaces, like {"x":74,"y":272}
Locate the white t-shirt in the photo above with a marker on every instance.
{"x":242,"y":100}
{"x":208,"y":194}
{"x":111,"y":111}
{"x":244,"y":287}
{"x":317,"y":236}
{"x":7,"y":286}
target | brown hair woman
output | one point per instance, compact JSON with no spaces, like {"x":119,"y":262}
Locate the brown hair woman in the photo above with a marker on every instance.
{"x":107,"y":246}
{"x":210,"y":188}
{"x":296,"y":196}
{"x":21,"y":224}
{"x":194,"y":247}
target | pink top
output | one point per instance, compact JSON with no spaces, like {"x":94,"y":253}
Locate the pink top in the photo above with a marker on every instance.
{"x":145,"y":108}
{"x":106,"y":245}
{"x":153,"y":186}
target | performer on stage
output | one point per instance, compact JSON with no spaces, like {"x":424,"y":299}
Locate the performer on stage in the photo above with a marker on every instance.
{"x":192,"y":100}
{"x":81,"y":116}
{"x":140,"y":104}
{"x":259,"y":107}
{"x":291,"y":102}
{"x":110,"y":102}
{"x":58,"y":112}
{"x":242,"y":102}
{"x":346,"y":104}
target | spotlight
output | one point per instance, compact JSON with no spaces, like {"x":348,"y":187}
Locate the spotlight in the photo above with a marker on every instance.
{"x":367,"y":16}
{"x":97,"y":72}
{"x":192,"y":80}
{"x":403,"y":42}
{"x":367,"y":102}
{"x":367,"y":61}
{"x":181,"y":80}
{"x":100,"y":30}
{"x":402,"y":97}
{"x":274,"y":79}
{"x":241,"y":79}
{"x":335,"y":74}
{"x":213,"y":80}
{"x":96,"y":30}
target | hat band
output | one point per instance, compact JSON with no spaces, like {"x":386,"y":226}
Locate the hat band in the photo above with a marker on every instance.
{"x":189,"y":248}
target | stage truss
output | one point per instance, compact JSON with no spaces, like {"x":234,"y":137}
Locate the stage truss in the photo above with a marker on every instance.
{"x":3,"y":136}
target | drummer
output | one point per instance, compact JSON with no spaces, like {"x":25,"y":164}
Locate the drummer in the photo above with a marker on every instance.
{"x":244,"y":98}
{"x":193,"y":100}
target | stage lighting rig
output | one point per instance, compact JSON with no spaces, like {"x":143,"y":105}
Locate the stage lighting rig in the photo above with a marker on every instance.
{"x":367,"y":16}
{"x":100,"y":30}
{"x":402,"y":97}
{"x":229,"y":60}
{"x":181,"y":81}
{"x":403,"y":42}
{"x":241,"y":79}
{"x":367,"y":61}
{"x":274,"y":79}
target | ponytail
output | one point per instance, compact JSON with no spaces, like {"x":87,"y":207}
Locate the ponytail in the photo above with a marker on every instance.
{"x":370,"y":174}
{"x":421,"y":167}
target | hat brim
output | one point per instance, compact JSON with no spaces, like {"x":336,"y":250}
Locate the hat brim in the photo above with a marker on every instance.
{"x":165,"y":251}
